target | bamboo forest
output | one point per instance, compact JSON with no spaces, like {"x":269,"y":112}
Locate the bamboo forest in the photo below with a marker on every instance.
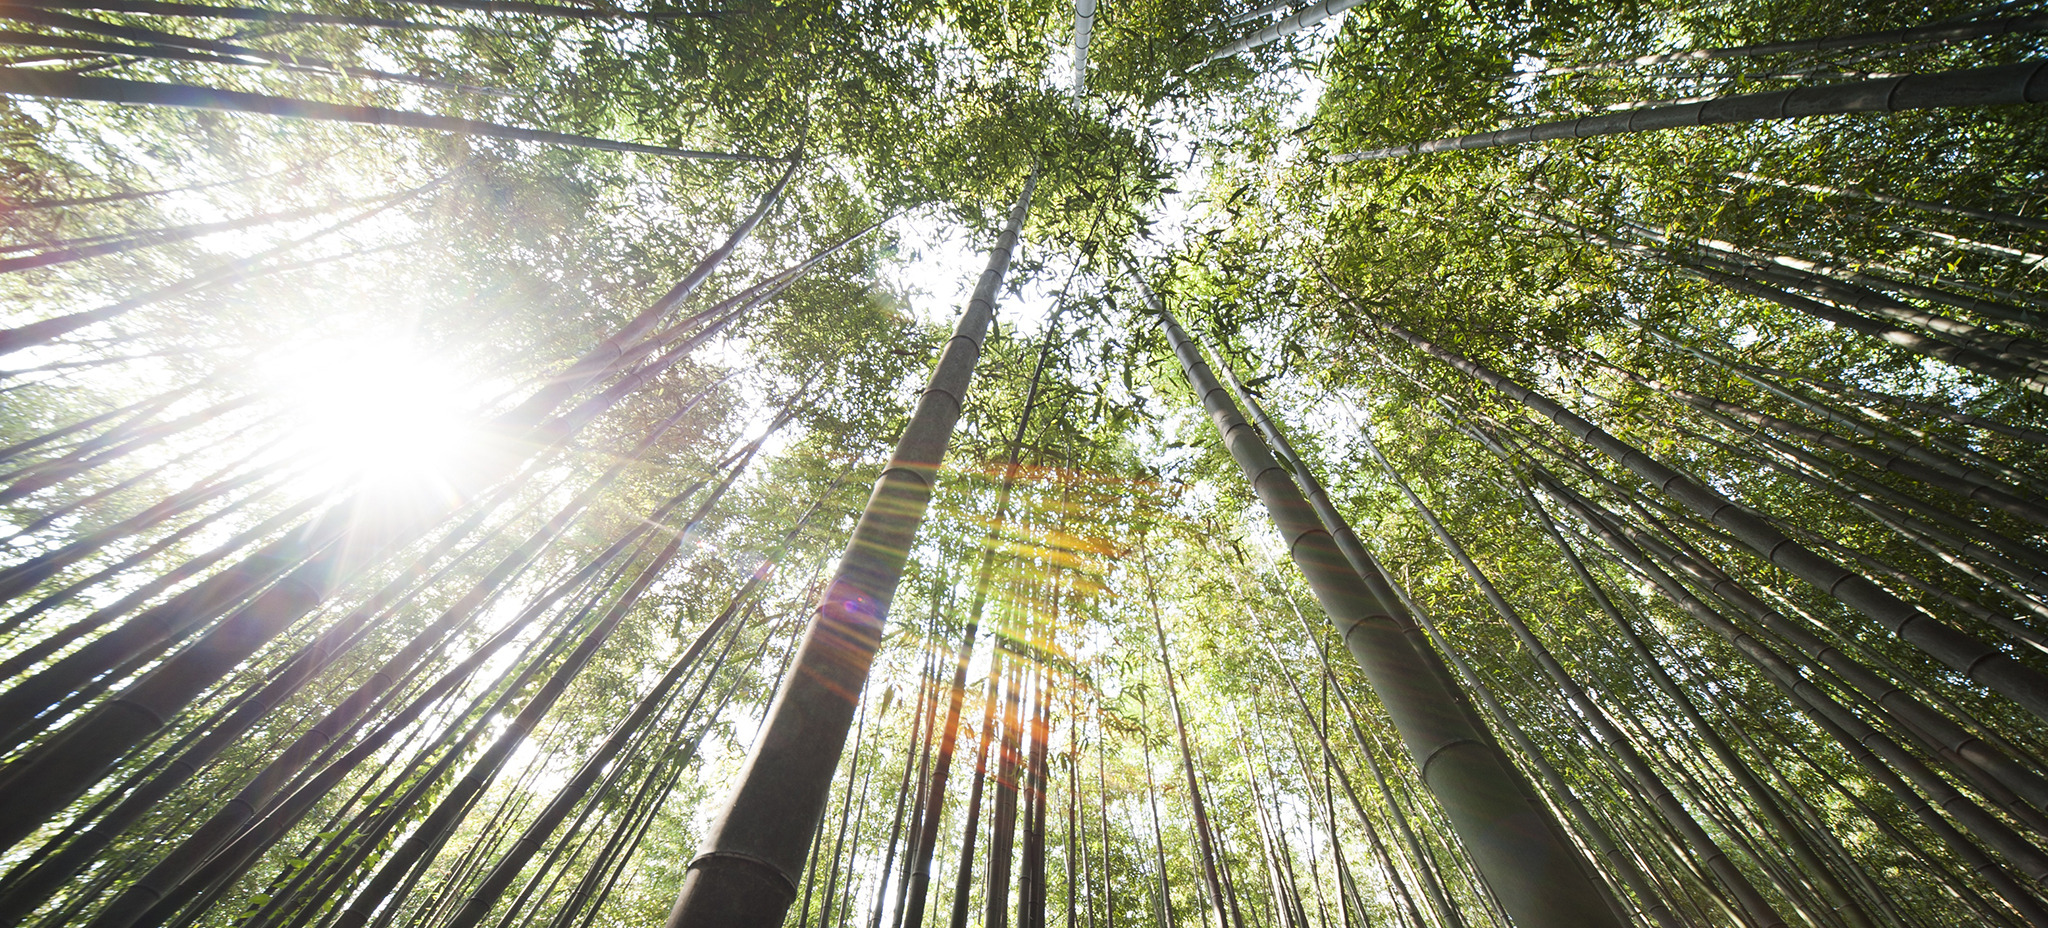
{"x":1029,"y":464}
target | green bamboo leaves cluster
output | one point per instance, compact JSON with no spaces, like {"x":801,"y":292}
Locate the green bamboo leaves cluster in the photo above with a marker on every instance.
{"x":1647,"y":397}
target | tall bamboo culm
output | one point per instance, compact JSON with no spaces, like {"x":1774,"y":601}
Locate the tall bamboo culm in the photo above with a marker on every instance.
{"x":1539,"y":881}
{"x":747,"y":873}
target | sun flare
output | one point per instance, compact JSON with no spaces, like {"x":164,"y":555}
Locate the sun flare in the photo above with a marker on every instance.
{"x":374,"y":410}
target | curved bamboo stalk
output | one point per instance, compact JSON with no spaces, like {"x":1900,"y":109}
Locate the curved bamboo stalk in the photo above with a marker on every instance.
{"x":1993,"y":773}
{"x":1964,"y":894}
{"x":32,"y":572}
{"x":1942,"y":734}
{"x":1944,"y":737}
{"x":1763,"y":797}
{"x":142,"y":636}
{"x":151,"y":238}
{"x":110,"y":496}
{"x":558,"y":11}
{"x":54,"y":85}
{"x":140,"y":411}
{"x":1949,"y":209}
{"x":1936,"y":32}
{"x":1915,"y":519}
{"x":1822,"y":280}
{"x":1736,"y":276}
{"x":1954,"y":477}
{"x":84,"y":749}
{"x":156,"y":42}
{"x":1859,"y":402}
{"x":294,"y":170}
{"x":1993,"y":86}
{"x":1917,"y":531}
{"x":103,"y":449}
{"x":142,"y":555}
{"x":244,"y":14}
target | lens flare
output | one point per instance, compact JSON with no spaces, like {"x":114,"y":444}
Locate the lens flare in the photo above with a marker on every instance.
{"x":370,"y":410}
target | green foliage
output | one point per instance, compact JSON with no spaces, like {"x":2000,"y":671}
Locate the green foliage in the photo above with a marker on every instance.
{"x":1568,"y":266}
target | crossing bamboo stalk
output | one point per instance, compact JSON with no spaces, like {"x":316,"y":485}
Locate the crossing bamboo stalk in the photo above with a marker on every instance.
{"x":56,"y":85}
{"x":1958,"y":650}
{"x":311,"y":561}
{"x":1992,"y":86}
{"x":1733,"y":880}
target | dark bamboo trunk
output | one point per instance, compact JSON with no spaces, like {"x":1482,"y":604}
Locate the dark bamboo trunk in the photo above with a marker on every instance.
{"x":963,"y":882}
{"x":63,"y":253}
{"x":1163,"y":891}
{"x":746,"y":875}
{"x":1002,"y":839}
{"x":1954,"y":477}
{"x":1204,"y":833}
{"x":417,"y":849}
{"x":919,"y":734}
{"x":1934,"y":32}
{"x":49,"y":330}
{"x":1539,"y":880}
{"x":509,"y":865}
{"x":244,"y":14}
{"x":249,"y":826}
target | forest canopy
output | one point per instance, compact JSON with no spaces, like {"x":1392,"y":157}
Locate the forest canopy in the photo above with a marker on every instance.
{"x":571,"y":463}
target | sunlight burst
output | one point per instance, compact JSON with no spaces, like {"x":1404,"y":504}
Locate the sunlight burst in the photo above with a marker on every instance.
{"x":371,"y":410}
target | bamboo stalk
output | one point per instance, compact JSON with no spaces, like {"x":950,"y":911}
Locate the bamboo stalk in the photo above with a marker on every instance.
{"x":55,"y":85}
{"x":1539,"y":881}
{"x":1992,"y":86}
{"x":746,"y":874}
